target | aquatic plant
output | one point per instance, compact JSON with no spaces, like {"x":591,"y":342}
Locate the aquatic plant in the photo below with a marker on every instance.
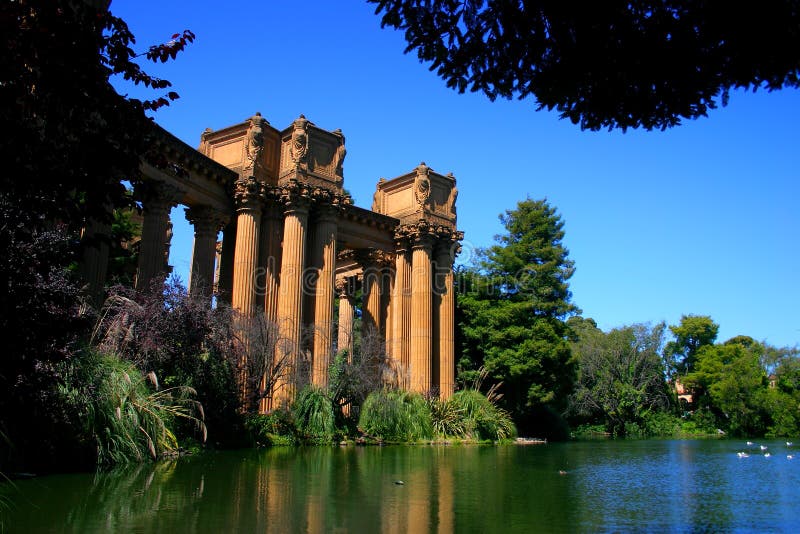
{"x":482,"y":418}
{"x":126,"y":414}
{"x":395,"y":415}
{"x":314,"y":416}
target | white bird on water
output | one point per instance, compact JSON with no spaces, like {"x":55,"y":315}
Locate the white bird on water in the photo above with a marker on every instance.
{"x":750,"y":443}
{"x":742,"y":455}
{"x":789,"y":443}
{"x":767,"y":455}
{"x":790,"y":456}
{"x":763,"y":447}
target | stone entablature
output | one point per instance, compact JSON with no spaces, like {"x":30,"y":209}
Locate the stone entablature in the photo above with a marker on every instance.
{"x":293,"y":242}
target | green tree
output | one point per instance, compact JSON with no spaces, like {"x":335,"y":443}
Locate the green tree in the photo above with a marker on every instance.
{"x":693,"y":333}
{"x":69,"y":141}
{"x":620,"y":375}
{"x":512,"y":309}
{"x":605,"y":64}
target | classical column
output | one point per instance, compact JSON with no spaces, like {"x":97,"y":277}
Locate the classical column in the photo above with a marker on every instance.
{"x":325,"y":244}
{"x":94,"y":263}
{"x":157,"y":201}
{"x":270,"y":249}
{"x":446,"y":323}
{"x":372,"y":298}
{"x":226,"y":256}
{"x":421,"y":312}
{"x":248,"y":222}
{"x":207,"y":222}
{"x":290,"y":296}
{"x":400,"y":311}
{"x":346,"y":307}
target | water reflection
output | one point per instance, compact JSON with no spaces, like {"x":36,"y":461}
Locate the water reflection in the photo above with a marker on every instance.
{"x":608,"y":486}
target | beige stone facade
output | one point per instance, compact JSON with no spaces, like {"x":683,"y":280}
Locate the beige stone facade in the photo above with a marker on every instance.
{"x":293,"y":244}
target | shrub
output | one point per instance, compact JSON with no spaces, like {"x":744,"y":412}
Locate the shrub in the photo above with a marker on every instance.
{"x":313,"y":415}
{"x":272,"y":429}
{"x":483,"y":420}
{"x":393,"y":415}
{"x":126,"y":417}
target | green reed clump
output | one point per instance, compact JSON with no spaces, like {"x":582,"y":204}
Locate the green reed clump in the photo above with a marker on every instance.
{"x":481,"y":418}
{"x":394,"y":415}
{"x":313,"y":414}
{"x":125,"y":413}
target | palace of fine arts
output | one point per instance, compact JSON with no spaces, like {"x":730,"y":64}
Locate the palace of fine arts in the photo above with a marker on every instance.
{"x":293,"y":241}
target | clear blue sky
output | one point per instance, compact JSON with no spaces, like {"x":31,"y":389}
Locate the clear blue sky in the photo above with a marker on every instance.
{"x":701,"y":219}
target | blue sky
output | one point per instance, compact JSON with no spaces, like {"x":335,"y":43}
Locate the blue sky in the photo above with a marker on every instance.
{"x":701,"y":219}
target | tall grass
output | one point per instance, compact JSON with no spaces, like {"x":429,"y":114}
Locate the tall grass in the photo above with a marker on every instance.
{"x":314,"y":415}
{"x":126,"y":414}
{"x":394,"y":415}
{"x":481,"y":418}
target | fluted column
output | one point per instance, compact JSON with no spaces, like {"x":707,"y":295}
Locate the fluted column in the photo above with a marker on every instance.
{"x":226,"y":257}
{"x":372,"y":301}
{"x":400,"y":312}
{"x":248,"y":223}
{"x":325,"y":243}
{"x":269,"y":264}
{"x":157,"y":201}
{"x":206,"y":222}
{"x":94,"y":263}
{"x":446,"y":321}
{"x":421,"y":313}
{"x":346,"y":307}
{"x":290,"y":296}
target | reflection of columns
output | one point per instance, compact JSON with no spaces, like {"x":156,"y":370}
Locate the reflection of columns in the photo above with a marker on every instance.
{"x":290,"y":296}
{"x":270,"y":250}
{"x":324,"y":243}
{"x":446,"y":322}
{"x":346,"y":306}
{"x":401,"y":311}
{"x":248,"y":222}
{"x":421,"y":342}
{"x":153,"y":251}
{"x":207,"y":222}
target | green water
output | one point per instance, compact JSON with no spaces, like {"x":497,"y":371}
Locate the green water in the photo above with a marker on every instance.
{"x":609,"y":486}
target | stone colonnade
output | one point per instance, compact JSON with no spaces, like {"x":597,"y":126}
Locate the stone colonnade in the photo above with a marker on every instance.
{"x":293,"y":243}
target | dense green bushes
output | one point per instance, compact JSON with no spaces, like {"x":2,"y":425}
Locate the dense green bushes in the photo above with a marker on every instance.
{"x":395,"y":415}
{"x":122,"y":412}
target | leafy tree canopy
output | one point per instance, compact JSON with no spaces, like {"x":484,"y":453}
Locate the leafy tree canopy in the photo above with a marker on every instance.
{"x":620,"y":374}
{"x":511,"y":310}
{"x":606,"y":64}
{"x":693,"y":332}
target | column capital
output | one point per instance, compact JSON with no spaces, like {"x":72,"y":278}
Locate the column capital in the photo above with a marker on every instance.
{"x":158,"y":196}
{"x":295,"y":197}
{"x":346,"y":287}
{"x":206,"y":219}
{"x":247,"y":193}
{"x":371,"y":258}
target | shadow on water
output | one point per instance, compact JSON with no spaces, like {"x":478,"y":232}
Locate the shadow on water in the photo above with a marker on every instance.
{"x":591,"y":486}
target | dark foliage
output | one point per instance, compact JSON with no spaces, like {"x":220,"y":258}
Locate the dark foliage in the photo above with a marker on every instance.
{"x":69,"y":140}
{"x":605,"y":64}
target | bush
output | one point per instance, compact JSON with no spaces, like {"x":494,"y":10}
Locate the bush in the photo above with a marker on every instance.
{"x":126,"y":418}
{"x":272,"y":429}
{"x":482,"y":419}
{"x":660,"y":424}
{"x":397,"y":416}
{"x":313,"y":416}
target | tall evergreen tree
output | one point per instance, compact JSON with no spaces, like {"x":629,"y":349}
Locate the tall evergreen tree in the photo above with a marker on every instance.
{"x":512,"y":311}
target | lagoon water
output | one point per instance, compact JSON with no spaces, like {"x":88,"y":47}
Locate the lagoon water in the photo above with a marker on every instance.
{"x":609,"y":486}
